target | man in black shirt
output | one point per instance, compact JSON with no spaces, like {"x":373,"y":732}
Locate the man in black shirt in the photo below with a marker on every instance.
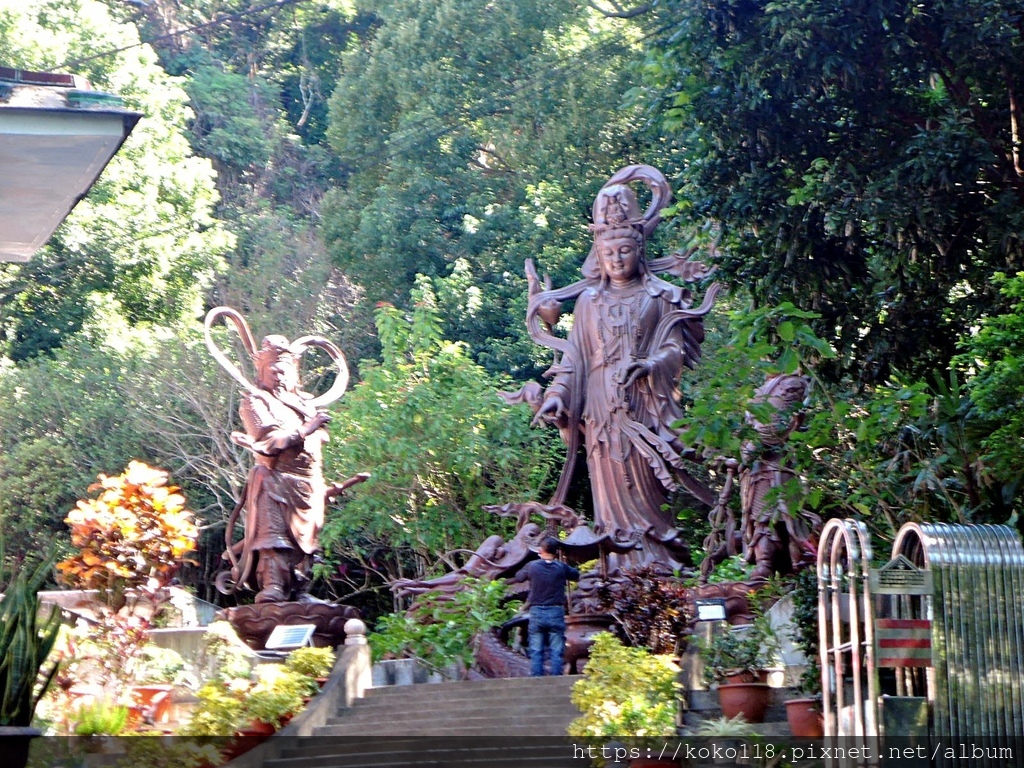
{"x":546,"y":601}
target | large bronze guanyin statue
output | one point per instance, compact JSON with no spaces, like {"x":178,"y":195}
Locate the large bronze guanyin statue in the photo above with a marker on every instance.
{"x":285,"y":493}
{"x":616,"y":376}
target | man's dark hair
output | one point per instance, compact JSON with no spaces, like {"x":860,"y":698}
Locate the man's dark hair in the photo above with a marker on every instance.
{"x":550,"y":545}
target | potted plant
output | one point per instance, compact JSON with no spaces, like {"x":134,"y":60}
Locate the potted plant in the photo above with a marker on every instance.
{"x":219,"y":712}
{"x":737,"y":659}
{"x":130,"y":541}
{"x":275,"y":697}
{"x":316,"y":663}
{"x":25,"y":643}
{"x":731,"y":737}
{"x":268,"y":710}
{"x":725,"y":728}
{"x":626,"y":694}
{"x":804,"y":712}
{"x":158,"y":673}
{"x":100,"y":718}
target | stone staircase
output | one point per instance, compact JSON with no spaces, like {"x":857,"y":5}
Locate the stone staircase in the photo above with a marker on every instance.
{"x":531,"y":706}
{"x":492,"y":723}
{"x":506,"y":723}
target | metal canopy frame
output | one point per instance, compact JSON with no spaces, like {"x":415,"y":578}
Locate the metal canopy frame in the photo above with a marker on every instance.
{"x":972,"y":608}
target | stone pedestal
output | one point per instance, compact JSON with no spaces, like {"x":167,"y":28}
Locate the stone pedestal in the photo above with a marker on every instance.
{"x":254,"y":623}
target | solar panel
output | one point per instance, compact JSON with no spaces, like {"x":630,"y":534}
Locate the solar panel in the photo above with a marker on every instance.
{"x":290,"y":636}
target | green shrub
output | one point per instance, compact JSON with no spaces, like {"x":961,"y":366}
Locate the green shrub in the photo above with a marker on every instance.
{"x":625,"y":692}
{"x":100,"y":718}
{"x":440,"y":630}
{"x":312,"y":662}
{"x":271,"y":705}
{"x":219,"y":712}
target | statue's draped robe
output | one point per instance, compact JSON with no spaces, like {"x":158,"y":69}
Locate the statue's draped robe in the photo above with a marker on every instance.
{"x":285,"y":491}
{"x":634,"y":456}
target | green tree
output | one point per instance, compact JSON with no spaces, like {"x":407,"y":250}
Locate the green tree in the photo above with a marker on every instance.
{"x":258,"y":77}
{"x":62,"y":422}
{"x":428,"y":425}
{"x":886,"y":453}
{"x":144,"y":238}
{"x":861,"y":157}
{"x":994,"y":357}
{"x":92,"y":406}
{"x":473,"y":135}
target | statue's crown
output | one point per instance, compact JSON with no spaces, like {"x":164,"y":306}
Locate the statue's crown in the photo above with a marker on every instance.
{"x":616,"y":207}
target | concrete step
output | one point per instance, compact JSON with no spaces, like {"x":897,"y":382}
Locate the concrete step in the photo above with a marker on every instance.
{"x":521,"y":706}
{"x":542,"y":725}
{"x":514,"y":708}
{"x":471,"y":699}
{"x":549,"y":685}
{"x":326,"y":753}
{"x":369,"y":745}
{"x":443,"y":727}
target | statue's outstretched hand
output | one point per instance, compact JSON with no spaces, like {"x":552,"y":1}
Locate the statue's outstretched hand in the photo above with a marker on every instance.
{"x":553,"y":411}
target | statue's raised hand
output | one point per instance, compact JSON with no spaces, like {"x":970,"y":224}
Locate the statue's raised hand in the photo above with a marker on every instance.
{"x":320,"y":418}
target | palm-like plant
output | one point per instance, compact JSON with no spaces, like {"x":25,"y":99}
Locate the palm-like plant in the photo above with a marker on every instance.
{"x":26,"y":641}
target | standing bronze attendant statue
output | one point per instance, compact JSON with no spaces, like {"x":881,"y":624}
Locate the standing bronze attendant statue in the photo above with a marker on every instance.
{"x":285,"y":493}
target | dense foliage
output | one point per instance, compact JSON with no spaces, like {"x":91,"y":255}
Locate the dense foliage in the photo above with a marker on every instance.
{"x":144,"y":244}
{"x":625,"y":692}
{"x":857,"y":161}
{"x":473,"y":135}
{"x":428,"y":425}
{"x":439,"y":631}
{"x":862,"y":158}
{"x":131,"y":537}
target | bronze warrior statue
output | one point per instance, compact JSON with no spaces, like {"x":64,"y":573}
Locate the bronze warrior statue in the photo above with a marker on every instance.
{"x":615,"y":378}
{"x":285,"y":492}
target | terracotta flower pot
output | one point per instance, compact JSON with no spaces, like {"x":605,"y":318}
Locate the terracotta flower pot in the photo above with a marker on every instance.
{"x":805,"y":718}
{"x":154,"y":701}
{"x":258,"y":728}
{"x":749,"y":699}
{"x":745,"y":676}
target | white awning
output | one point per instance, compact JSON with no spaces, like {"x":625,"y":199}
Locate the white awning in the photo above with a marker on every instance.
{"x":50,"y":156}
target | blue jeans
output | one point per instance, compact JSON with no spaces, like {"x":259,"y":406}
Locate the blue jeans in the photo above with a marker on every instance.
{"x":547,"y":634}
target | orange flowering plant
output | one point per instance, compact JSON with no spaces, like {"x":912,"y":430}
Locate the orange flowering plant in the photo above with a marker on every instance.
{"x":131,"y":539}
{"x":133,"y":536}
